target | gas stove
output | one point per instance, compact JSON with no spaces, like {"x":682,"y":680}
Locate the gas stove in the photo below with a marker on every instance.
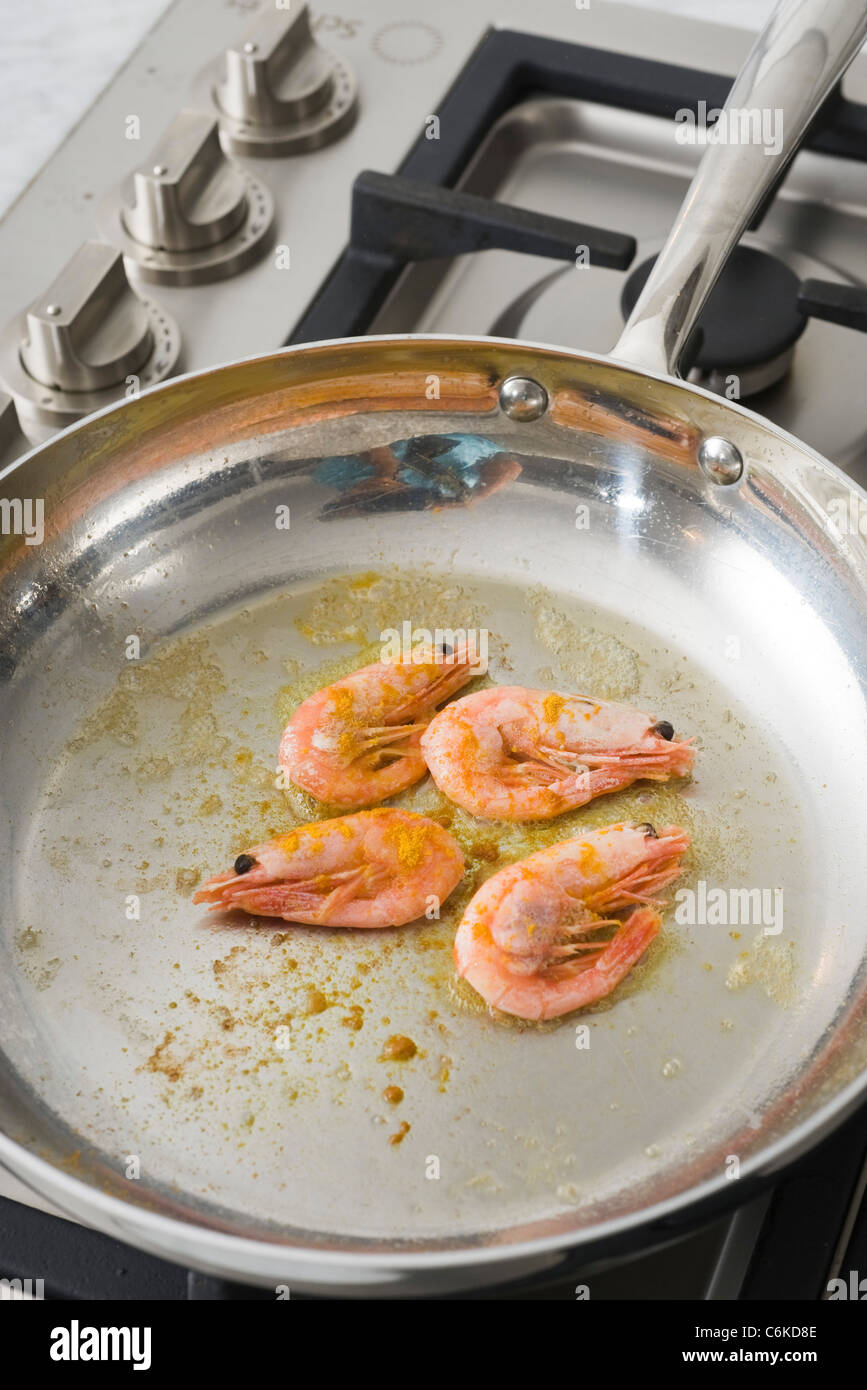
{"x":258,"y":175}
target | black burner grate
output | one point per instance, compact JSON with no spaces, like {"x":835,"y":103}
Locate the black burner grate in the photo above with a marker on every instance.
{"x":506,"y":67}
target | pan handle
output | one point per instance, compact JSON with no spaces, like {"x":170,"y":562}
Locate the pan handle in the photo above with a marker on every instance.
{"x":804,"y":49}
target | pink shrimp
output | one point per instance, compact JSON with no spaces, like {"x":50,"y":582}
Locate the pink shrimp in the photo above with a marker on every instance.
{"x":356,"y":742}
{"x":508,"y":753}
{"x":377,"y":868}
{"x":529,"y":940}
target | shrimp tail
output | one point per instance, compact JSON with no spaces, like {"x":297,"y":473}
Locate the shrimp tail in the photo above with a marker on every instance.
{"x":625,"y":948}
{"x":613,"y":964}
{"x":578,"y":985}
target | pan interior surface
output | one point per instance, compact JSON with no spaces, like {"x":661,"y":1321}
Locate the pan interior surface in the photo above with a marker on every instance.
{"x":237,"y":1074}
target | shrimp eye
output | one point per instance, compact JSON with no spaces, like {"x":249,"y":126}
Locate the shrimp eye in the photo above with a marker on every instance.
{"x":664,"y":729}
{"x":244,"y":863}
{"x":649,"y":832}
{"x":445,"y":650}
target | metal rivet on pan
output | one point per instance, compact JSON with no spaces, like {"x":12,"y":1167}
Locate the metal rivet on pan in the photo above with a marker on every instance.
{"x":522,"y":398}
{"x":720,"y":460}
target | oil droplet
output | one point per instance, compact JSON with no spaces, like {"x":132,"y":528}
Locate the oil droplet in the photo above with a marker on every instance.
{"x":398,"y":1049}
{"x":671,"y":1067}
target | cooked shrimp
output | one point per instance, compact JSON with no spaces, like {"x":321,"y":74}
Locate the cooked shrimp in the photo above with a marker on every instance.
{"x":373,"y":869}
{"x":528,"y":941}
{"x":509,"y":753}
{"x":357,"y":741}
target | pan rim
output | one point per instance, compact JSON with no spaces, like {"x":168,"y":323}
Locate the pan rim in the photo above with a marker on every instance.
{"x":191,"y":1241}
{"x":508,"y":344}
{"x":214,"y":1248}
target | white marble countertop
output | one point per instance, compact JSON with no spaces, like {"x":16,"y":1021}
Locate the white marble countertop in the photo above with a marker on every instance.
{"x":56,"y":57}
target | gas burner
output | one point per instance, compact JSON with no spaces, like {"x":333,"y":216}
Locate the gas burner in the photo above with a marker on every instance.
{"x":787,"y":357}
{"x":748,"y":328}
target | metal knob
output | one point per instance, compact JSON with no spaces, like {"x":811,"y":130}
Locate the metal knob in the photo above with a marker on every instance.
{"x":187,"y":195}
{"x":84,"y":343}
{"x":279,"y":76}
{"x":188,"y":214}
{"x":88,"y":330}
{"x":277,"y":91}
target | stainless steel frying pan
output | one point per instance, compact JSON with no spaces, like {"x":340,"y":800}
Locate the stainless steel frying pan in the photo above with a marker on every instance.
{"x":213,"y":1091}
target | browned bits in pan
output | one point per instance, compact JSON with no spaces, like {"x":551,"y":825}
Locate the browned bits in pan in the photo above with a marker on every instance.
{"x":400,"y":1134}
{"x":488,"y":850}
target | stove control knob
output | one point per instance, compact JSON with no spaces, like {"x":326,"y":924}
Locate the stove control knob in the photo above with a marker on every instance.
{"x":84,"y":343}
{"x":188,"y":214}
{"x":188,"y":195}
{"x":277,"y":92}
{"x":88,"y":330}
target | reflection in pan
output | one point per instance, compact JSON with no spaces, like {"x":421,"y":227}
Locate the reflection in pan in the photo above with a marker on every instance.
{"x":416,"y":474}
